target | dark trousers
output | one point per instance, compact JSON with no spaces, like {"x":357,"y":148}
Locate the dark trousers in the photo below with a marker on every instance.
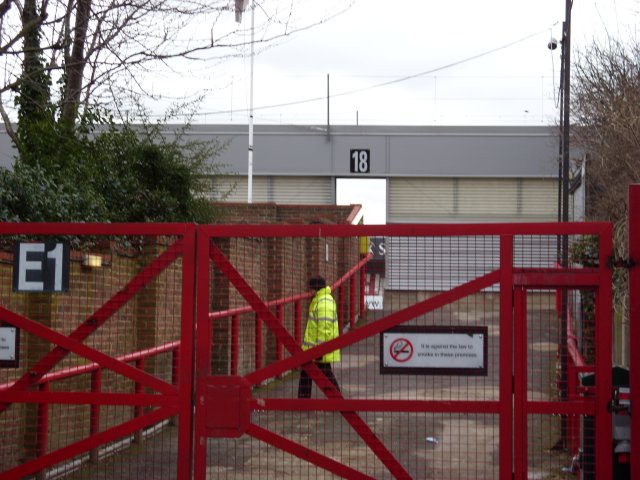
{"x":304,"y":387}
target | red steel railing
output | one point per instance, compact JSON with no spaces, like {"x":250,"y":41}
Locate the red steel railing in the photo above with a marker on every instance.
{"x":139,"y":357}
{"x":296,"y":300}
{"x":95,"y":370}
{"x":575,"y":366}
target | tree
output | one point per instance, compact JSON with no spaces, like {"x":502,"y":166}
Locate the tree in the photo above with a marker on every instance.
{"x":97,"y":51}
{"x":115,"y":173}
{"x":606,"y":110}
{"x":87,"y":49}
{"x":606,"y":115}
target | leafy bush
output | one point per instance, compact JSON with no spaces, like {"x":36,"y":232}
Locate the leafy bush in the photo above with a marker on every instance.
{"x":120,"y":173}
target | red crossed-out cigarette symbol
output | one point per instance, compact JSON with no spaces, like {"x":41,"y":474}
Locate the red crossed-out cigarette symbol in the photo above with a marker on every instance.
{"x":401,"y":350}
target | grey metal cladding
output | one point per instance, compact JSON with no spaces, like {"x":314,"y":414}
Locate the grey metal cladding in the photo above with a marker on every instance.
{"x":394,"y":151}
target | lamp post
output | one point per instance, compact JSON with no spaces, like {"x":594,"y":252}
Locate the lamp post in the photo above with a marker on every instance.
{"x":240,"y":6}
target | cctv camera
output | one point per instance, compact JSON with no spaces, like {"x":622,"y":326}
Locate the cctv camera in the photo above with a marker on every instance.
{"x":553,"y":44}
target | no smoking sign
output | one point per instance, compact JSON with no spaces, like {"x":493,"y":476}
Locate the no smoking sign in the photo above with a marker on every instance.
{"x":401,"y":350}
{"x":434,"y":350}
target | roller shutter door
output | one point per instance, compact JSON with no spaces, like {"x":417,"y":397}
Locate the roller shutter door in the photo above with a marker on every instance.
{"x":442,"y":263}
{"x":281,"y":190}
{"x":451,"y":200}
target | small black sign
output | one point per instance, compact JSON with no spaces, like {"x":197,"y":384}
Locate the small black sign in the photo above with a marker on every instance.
{"x":41,"y":267}
{"x":377,"y":247}
{"x":360,"y":160}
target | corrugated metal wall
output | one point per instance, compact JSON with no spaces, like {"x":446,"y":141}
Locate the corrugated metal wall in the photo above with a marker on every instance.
{"x":445,"y":200}
{"x":464,"y":259}
{"x":282,"y":190}
{"x":463,"y":200}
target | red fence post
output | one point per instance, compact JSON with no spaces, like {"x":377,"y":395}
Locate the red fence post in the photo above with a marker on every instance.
{"x":175,"y":365}
{"x":506,"y":356}
{"x":43,"y":427}
{"x":94,"y":414}
{"x":634,"y":323}
{"x":363,"y":278}
{"x":279,"y":347}
{"x":175,"y":375}
{"x":603,"y":374}
{"x":298,"y":322}
{"x":341,"y":308}
{"x":573,"y":421}
{"x":352,"y":302}
{"x":137,"y":410}
{"x":235,"y":332}
{"x":278,"y":341}
{"x":258,"y":327}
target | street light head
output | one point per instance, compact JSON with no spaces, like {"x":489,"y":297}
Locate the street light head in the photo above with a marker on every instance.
{"x":553,"y":44}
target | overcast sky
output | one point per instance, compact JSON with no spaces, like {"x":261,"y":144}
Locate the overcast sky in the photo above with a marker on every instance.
{"x":412,"y":62}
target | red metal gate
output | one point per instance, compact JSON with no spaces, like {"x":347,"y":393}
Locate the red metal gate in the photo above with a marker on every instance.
{"x":105,"y":381}
{"x":528,"y":413}
{"x":634,"y":323}
{"x":95,"y":377}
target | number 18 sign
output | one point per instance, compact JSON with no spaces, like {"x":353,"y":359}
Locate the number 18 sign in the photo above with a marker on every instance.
{"x":41,"y":267}
{"x":360,"y":160}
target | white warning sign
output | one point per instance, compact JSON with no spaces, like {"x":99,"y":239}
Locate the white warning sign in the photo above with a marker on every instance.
{"x":9,"y":341}
{"x":434,"y":350}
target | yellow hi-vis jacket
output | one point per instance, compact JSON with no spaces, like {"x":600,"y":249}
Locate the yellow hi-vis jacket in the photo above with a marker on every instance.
{"x":322,"y":324}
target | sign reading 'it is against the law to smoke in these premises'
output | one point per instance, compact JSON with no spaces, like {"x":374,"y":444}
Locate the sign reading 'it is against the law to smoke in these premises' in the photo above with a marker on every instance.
{"x":434,"y":350}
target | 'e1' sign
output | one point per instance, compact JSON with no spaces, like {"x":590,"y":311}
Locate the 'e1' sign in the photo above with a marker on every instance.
{"x":41,"y":267}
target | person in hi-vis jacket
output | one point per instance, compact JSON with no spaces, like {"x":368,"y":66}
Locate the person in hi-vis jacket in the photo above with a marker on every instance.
{"x":322,"y":326}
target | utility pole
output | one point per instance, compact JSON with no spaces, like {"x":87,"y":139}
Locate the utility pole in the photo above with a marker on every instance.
{"x":564,"y":260}
{"x":566,"y":89}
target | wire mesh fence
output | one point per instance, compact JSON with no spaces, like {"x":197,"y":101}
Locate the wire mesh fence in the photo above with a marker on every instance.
{"x":419,"y":422}
{"x":464,"y":352}
{"x":96,"y":375}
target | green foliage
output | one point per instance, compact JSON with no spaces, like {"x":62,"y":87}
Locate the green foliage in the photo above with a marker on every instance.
{"x":29,"y":194}
{"x":88,"y":168}
{"x":585,"y":251}
{"x":33,"y":94}
{"x":143,"y":177}
{"x":119,"y":173}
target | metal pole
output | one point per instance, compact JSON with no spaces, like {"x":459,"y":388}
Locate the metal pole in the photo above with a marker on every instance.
{"x":566,"y":48}
{"x":561,"y":144}
{"x":566,"y":94}
{"x":328,"y":117}
{"x":250,"y":153}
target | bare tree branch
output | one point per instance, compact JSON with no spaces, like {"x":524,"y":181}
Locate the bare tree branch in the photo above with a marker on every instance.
{"x":92,"y":45}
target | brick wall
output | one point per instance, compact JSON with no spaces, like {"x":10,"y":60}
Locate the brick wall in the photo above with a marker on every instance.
{"x":274,"y":268}
{"x":271,"y":213}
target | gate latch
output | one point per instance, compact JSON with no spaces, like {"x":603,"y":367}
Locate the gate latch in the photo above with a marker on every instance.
{"x":226,"y":402}
{"x":621,"y":401}
{"x":627,"y":263}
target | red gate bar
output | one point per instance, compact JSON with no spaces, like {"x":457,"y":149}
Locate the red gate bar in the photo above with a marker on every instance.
{"x":177,"y":397}
{"x":634,"y":324}
{"x":506,"y":355}
{"x":94,"y":413}
{"x":277,"y":329}
{"x":603,"y":327}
